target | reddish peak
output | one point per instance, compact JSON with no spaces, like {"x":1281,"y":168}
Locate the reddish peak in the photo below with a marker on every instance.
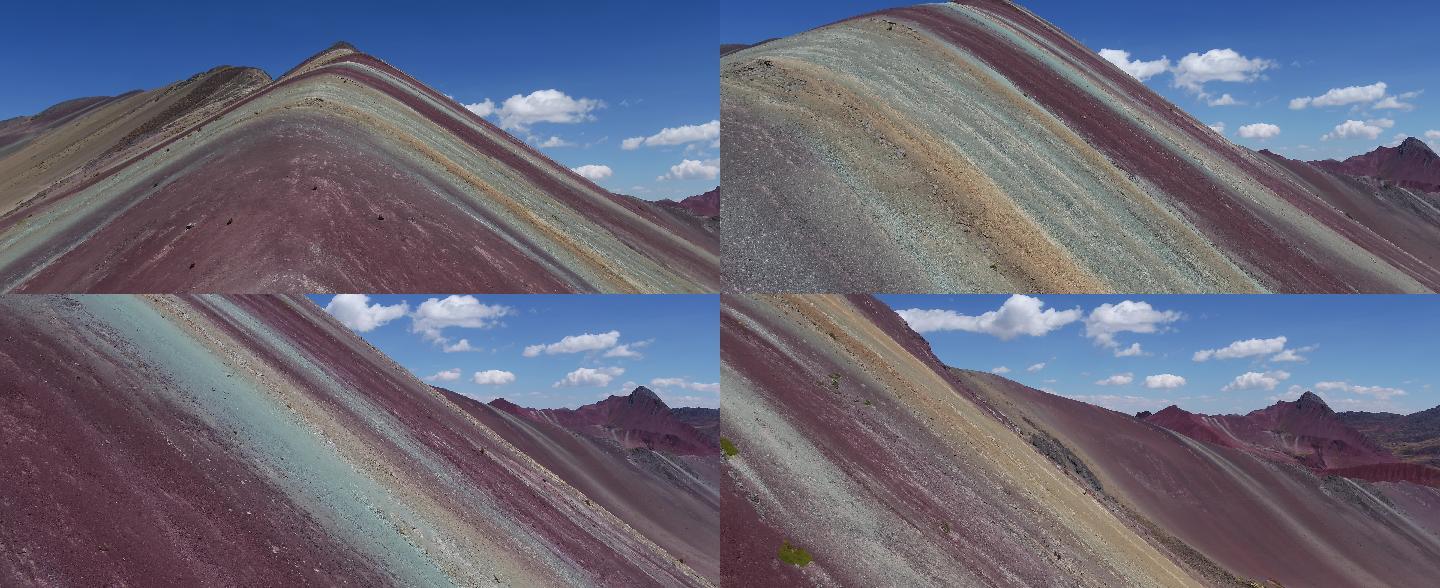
{"x":707,"y":204}
{"x":504,"y":405}
{"x":1170,"y":412}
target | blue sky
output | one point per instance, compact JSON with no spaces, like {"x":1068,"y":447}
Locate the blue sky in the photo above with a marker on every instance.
{"x":547,"y":351}
{"x":1282,"y":51}
{"x":1130,"y":353}
{"x":629,"y":69}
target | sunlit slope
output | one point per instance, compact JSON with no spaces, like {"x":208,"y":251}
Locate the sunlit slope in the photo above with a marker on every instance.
{"x":255,"y":441}
{"x":974,"y":147}
{"x":343,"y":175}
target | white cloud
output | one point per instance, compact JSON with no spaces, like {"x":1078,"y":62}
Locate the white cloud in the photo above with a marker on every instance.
{"x":482,"y":109}
{"x":449,"y":375}
{"x":1376,"y":392}
{"x":1342,"y":96}
{"x":1259,"y":131}
{"x":493,"y":377}
{"x":458,"y":346}
{"x":1129,"y":316}
{"x":1398,"y":102}
{"x":1432,"y":135}
{"x":554,"y":141}
{"x":1117,"y":380}
{"x":690,"y":400}
{"x":1132,"y":351}
{"x":356,"y":312}
{"x":1140,"y":70}
{"x":1257,"y":380}
{"x":593,"y":172}
{"x":436,"y":314}
{"x":1218,"y":127}
{"x":1294,"y":354}
{"x":576,"y":344}
{"x":1036,"y":367}
{"x":1223,"y":100}
{"x":1194,"y":70}
{"x":590,"y":377}
{"x":675,"y":136}
{"x":1019,"y":315}
{"x":1246,"y":348}
{"x":691,"y":169}
{"x":628,"y":349}
{"x":1121,"y":403}
{"x":552,"y":106}
{"x":1164,"y":381}
{"x":1000,"y":370}
{"x":1353,"y":128}
{"x":682,"y":383}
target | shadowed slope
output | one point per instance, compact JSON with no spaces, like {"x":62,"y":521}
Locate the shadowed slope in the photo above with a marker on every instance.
{"x":1259,"y":518}
{"x":851,"y":444}
{"x":673,"y":499}
{"x":343,"y":175}
{"x":974,"y":147}
{"x":255,"y":441}
{"x":1413,"y":438}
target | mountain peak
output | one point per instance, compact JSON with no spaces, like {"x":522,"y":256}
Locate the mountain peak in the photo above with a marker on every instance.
{"x":643,"y":393}
{"x":1412,"y":144}
{"x":1312,"y":400}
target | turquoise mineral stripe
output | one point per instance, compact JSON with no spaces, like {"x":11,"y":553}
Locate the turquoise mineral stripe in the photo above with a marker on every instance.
{"x":300,"y":461}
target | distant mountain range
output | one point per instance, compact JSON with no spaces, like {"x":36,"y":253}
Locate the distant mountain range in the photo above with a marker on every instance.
{"x":1411,"y":164}
{"x":1307,"y":431}
{"x":633,"y":455}
{"x":1414,"y":438}
{"x":344,"y":174}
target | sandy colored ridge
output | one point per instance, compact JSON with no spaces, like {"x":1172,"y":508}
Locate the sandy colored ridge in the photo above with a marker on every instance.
{"x":857,"y":450}
{"x":344,"y":174}
{"x":206,"y":441}
{"x":973,"y":147}
{"x":854,"y":443}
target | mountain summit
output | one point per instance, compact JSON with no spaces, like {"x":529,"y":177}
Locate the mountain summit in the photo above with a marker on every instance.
{"x":1411,"y":164}
{"x":344,"y":174}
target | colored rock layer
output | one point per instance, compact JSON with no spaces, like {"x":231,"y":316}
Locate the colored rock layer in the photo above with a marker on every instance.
{"x":673,"y":499}
{"x":207,"y":441}
{"x":344,"y":174}
{"x":972,"y":146}
{"x":859,"y":459}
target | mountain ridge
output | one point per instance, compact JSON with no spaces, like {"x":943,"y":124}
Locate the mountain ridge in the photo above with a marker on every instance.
{"x":972,"y":146}
{"x":435,"y":198}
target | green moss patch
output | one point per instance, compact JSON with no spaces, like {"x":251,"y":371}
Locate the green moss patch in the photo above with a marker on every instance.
{"x":728,"y":448}
{"x":794,"y":555}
